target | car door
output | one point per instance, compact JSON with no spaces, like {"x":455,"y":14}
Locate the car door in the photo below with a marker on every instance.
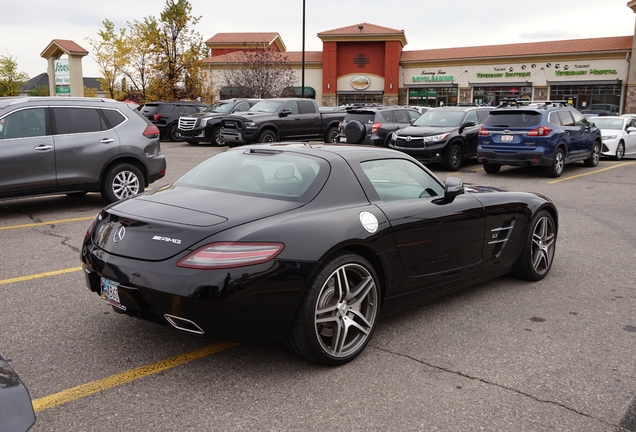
{"x":630,"y":136}
{"x":311,"y":119}
{"x":469,"y":130}
{"x":436,"y":240}
{"x":84,"y":144}
{"x":291,"y":125}
{"x":28,"y":152}
{"x":571,"y":134}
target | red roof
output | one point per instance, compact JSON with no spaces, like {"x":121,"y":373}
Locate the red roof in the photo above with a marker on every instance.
{"x":367,"y":29}
{"x":292,"y":57}
{"x":241,"y":38}
{"x":67,"y":46}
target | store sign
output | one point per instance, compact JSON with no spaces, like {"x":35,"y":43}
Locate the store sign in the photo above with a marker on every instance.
{"x":360,"y":82}
{"x":430,"y":77}
{"x":503,"y":75}
{"x":585,"y":72}
{"x":61,"y":72}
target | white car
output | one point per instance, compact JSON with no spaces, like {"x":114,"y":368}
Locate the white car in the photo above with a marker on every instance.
{"x":619,"y":135}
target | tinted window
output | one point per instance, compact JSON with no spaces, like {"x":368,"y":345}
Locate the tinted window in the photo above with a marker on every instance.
{"x":243,"y":106}
{"x":520,"y":119}
{"x":482,"y":115}
{"x":114,"y":117}
{"x":77,"y":120}
{"x":23,"y":124}
{"x":472,"y":117}
{"x":387,"y":116}
{"x":306,"y":107}
{"x":566,"y":118}
{"x":363,"y":118}
{"x":553,"y":118}
{"x":579,"y":120}
{"x":165,"y":108}
{"x":399,"y":179}
{"x":293,"y":106}
{"x":402,"y":117}
{"x":413,"y":115}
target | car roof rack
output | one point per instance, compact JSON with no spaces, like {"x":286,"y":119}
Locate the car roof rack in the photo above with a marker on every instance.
{"x":515,"y":102}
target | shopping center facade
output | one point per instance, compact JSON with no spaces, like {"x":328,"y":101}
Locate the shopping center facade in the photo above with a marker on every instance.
{"x":368,"y":63}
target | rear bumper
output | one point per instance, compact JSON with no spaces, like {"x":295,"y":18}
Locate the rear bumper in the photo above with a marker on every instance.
{"x":515,"y":159}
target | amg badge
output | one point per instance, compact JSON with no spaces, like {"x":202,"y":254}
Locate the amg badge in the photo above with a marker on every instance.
{"x":167,"y":239}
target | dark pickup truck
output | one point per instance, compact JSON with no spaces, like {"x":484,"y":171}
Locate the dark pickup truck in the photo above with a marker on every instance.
{"x":205,"y":127}
{"x":282,"y":119}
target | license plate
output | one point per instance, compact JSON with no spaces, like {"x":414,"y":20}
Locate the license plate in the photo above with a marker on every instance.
{"x":507,"y":138}
{"x":110,"y":293}
{"x":343,"y":139}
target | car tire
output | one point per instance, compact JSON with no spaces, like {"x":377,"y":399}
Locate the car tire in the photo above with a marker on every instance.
{"x":454,"y":158}
{"x":491,"y":168}
{"x":122,"y":181}
{"x":556,"y":169}
{"x":620,"y":151}
{"x":173,"y":134}
{"x":355,"y":132}
{"x":267,"y":136}
{"x":215,"y":137}
{"x":332,"y":135}
{"x":592,"y":161}
{"x":537,"y":253}
{"x":342,"y":299}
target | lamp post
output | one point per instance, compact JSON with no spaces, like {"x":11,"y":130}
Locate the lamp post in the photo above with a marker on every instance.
{"x":302,"y":91}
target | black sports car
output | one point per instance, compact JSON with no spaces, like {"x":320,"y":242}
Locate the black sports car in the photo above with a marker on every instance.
{"x":308,"y":244}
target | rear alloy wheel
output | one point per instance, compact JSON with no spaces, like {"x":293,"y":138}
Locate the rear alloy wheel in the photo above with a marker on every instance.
{"x":173,"y":134}
{"x":454,"y":158}
{"x":267,"y":137}
{"x":556,"y":169}
{"x":338,"y":315}
{"x":122,"y":181}
{"x":620,"y":151}
{"x":332,"y":135}
{"x":491,"y":168}
{"x":592,"y":161}
{"x":538,"y":248}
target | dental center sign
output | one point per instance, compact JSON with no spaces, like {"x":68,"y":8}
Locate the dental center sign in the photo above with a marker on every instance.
{"x":62,"y":73}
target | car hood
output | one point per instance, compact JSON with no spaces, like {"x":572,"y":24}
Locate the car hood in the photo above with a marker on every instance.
{"x":420,"y":131}
{"x":205,"y":114}
{"x":162,"y":223}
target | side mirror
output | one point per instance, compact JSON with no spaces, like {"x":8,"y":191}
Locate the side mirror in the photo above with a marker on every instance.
{"x":452,"y":188}
{"x":285,"y":112}
{"x":631,"y":129}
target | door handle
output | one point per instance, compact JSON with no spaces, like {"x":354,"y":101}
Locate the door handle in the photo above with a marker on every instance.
{"x":43,"y":147}
{"x":106,"y":140}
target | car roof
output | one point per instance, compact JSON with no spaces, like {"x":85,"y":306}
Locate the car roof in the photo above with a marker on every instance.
{"x":7,"y":101}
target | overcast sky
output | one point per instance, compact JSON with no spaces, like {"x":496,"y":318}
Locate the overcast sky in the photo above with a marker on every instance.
{"x":27,"y":28}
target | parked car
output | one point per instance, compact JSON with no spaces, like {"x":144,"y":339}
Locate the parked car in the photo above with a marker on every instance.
{"x":619,"y":135}
{"x":600,"y":109}
{"x":281,"y":119}
{"x":445,"y":135}
{"x":372,"y":125}
{"x":549,"y":134}
{"x":205,"y":127}
{"x":308,"y":244}
{"x":72,"y":145}
{"x":165,"y":115}
{"x":16,"y":410}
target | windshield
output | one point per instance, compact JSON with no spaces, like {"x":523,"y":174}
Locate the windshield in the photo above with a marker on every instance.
{"x":219,"y":107}
{"x":267,"y":106}
{"x":440,"y":118}
{"x":608,"y":123}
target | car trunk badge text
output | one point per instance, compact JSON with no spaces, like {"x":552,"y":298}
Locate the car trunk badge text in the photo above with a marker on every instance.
{"x":119,"y":234}
{"x":369,"y":221}
{"x":167,"y":239}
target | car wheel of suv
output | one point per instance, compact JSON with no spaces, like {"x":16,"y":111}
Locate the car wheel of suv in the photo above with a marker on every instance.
{"x":491,"y":168}
{"x":173,"y":134}
{"x":267,"y":137}
{"x":454,"y":158}
{"x":215,"y":137}
{"x":620,"y":151}
{"x":355,"y":132}
{"x":122,"y":181}
{"x":592,"y":161}
{"x":556,"y":169}
{"x":332,"y":135}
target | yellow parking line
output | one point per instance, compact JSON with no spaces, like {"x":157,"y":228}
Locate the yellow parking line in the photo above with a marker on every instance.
{"x":47,"y":223}
{"x":87,"y":389}
{"x":39,"y":275}
{"x":589,"y":173}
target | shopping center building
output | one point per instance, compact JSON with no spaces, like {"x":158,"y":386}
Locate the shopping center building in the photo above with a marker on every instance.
{"x":368,"y":63}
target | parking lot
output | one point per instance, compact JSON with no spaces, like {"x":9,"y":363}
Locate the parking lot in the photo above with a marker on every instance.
{"x":504,"y":356}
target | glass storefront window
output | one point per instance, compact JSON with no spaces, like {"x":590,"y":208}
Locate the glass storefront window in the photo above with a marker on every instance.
{"x":604,"y":99}
{"x":359,"y":98}
{"x":432,"y":96}
{"x":492,"y":95}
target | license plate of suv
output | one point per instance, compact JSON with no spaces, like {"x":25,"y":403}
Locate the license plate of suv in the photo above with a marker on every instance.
{"x":110,"y":293}
{"x":507,"y":138}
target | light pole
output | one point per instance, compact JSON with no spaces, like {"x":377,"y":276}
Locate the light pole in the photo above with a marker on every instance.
{"x":302,"y":91}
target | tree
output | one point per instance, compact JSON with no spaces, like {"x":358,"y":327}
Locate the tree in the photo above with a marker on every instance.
{"x":10,"y":79}
{"x":109,"y":56}
{"x":258,"y":73}
{"x":139,"y":53}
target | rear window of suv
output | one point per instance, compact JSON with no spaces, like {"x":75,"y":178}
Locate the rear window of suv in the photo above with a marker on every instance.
{"x":362,"y":117}
{"x":516,"y":119}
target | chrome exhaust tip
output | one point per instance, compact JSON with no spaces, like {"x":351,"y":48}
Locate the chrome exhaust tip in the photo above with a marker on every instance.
{"x":183,"y":324}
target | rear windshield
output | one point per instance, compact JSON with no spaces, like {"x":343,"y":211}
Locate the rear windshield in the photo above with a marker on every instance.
{"x":362,"y":117}
{"x":273,"y":174}
{"x":520,"y":119}
{"x":149,"y":108}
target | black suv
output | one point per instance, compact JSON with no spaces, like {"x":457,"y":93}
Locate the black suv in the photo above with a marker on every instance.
{"x":165,"y":115}
{"x":546,"y":133}
{"x":445,"y":135}
{"x":205,"y":127}
{"x":373,"y":124}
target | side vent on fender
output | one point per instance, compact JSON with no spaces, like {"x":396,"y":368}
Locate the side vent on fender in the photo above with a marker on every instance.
{"x":500,"y":237}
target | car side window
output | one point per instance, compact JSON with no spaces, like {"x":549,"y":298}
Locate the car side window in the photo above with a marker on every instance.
{"x":413,"y":115}
{"x":388,"y":116}
{"x":24,"y":124}
{"x":402,"y":117}
{"x":566,"y":118}
{"x":243,"y":106}
{"x":553,"y":118}
{"x":306,"y":107}
{"x":293,"y":106}
{"x":72,"y":120}
{"x":472,"y":117}
{"x":400,"y":179}
{"x":114,"y":117}
{"x":482,"y":115}
{"x":579,"y":120}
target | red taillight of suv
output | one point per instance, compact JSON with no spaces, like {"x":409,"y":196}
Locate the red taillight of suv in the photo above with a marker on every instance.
{"x":541,"y":131}
{"x":156,"y":117}
{"x":151,"y":131}
{"x":375,"y":126}
{"x":482,"y":131}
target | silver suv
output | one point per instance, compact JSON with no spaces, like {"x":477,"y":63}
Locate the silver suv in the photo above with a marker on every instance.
{"x":54,"y":145}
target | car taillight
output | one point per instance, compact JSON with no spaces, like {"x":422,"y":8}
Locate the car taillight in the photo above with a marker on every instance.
{"x":151,"y":131}
{"x":541,"y":131}
{"x":225,"y":255}
{"x":375,"y":126}
{"x":156,"y":117}
{"x":340,"y":126}
{"x":91,"y":227}
{"x":482,"y":131}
